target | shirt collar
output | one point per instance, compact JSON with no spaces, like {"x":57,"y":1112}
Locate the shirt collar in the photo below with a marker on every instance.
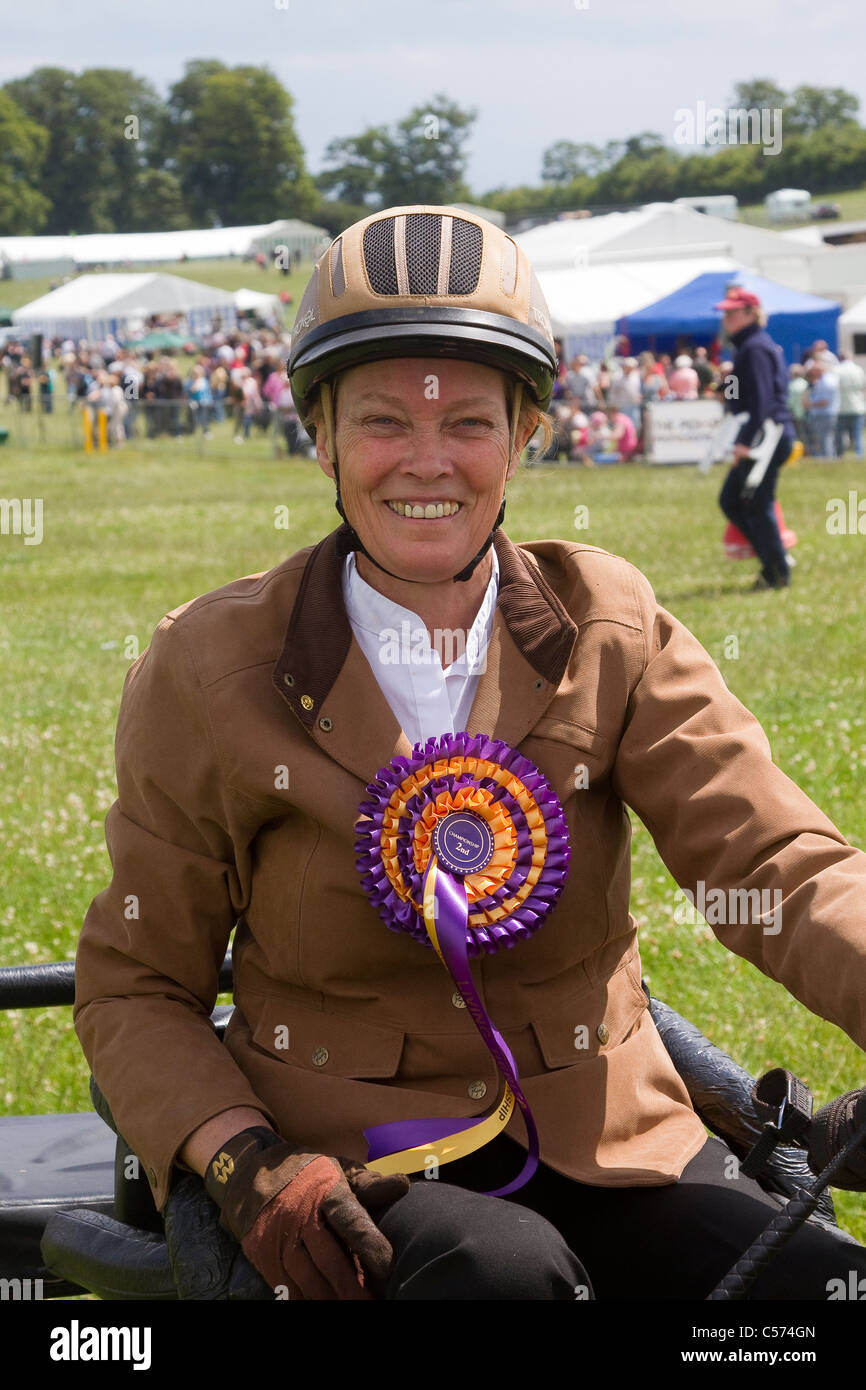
{"x":374,"y":612}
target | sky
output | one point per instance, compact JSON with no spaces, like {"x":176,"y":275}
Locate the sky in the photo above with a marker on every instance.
{"x":536,"y":71}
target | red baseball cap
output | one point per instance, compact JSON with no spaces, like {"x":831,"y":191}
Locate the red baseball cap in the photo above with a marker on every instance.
{"x":737,"y":298}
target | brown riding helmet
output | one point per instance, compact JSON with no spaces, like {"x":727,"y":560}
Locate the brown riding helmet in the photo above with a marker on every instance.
{"x":422,"y":282}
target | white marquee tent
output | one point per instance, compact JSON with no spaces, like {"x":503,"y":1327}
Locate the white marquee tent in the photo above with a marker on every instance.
{"x":852,"y":331}
{"x":145,"y":248}
{"x":267,"y":306}
{"x":94,"y":306}
{"x":586,"y":301}
{"x":670,"y":230}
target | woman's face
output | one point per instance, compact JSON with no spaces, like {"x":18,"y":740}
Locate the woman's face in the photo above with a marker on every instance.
{"x":427,"y":434}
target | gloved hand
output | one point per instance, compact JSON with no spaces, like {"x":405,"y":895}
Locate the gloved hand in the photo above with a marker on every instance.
{"x":300,"y":1219}
{"x":832,"y":1128}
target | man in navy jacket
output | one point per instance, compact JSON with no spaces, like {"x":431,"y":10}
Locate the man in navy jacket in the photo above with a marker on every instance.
{"x":762,"y":391}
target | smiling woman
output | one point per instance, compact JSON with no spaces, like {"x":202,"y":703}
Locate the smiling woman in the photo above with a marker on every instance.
{"x":278,"y":772}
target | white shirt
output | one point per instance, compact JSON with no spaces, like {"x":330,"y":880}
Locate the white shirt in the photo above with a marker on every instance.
{"x":427,"y":701}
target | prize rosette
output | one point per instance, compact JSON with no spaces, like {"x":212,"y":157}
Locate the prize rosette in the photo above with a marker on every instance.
{"x":464,"y":847}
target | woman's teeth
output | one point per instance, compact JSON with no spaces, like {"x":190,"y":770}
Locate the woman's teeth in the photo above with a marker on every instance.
{"x":426,"y":511}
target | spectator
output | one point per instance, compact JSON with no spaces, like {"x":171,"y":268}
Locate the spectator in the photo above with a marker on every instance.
{"x":580,"y":380}
{"x":704,"y":372}
{"x":251,"y":403}
{"x":602,"y":384}
{"x":219,"y":381}
{"x":820,"y":351}
{"x":797,"y":389}
{"x":625,"y":392}
{"x":852,"y":405}
{"x":200,"y":400}
{"x":683,"y":380}
{"x":623,"y":433}
{"x":822,"y":409}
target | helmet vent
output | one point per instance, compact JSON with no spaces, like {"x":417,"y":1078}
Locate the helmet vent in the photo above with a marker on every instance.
{"x":467,"y":241}
{"x":423,"y":236}
{"x":379,"y":256}
{"x":422,"y":247}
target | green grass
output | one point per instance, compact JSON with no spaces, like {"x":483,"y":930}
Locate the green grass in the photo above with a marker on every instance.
{"x":133,"y":533}
{"x":852,"y":206}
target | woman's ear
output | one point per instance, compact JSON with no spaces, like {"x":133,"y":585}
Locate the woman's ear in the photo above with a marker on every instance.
{"x":526,"y":427}
{"x":322,"y":450}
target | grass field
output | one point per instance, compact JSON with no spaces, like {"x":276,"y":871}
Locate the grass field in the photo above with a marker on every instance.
{"x":227,"y":274}
{"x":852,"y":206}
{"x":135,"y":532}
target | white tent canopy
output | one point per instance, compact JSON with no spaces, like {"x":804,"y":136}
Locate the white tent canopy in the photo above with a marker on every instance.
{"x":94,"y":306}
{"x":142,"y":248}
{"x":670,"y":230}
{"x":852,"y":322}
{"x":267,"y":306}
{"x":585,"y":302}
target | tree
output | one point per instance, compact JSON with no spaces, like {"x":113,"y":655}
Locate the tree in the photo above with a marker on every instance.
{"x":427,"y":161}
{"x":419,"y":160}
{"x":49,"y":97}
{"x":237,"y":155}
{"x":759,"y":92}
{"x":156,"y":203}
{"x":358,"y":164}
{"x":812,"y":108}
{"x":566,"y":161}
{"x":23,"y":147}
{"x":101,"y":129}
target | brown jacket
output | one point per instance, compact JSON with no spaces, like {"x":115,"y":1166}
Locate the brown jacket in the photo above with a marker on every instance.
{"x":247,"y":734}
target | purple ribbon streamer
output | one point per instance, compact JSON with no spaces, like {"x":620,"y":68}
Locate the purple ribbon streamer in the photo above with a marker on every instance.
{"x":451,"y":918}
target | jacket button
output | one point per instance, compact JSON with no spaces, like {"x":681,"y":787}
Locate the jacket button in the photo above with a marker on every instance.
{"x":457,"y":1000}
{"x":478,"y":1090}
{"x":307,"y":701}
{"x":320,"y":1056}
{"x":539,"y":685}
{"x":602,"y":1032}
{"x":288,"y":680}
{"x":326,"y":725}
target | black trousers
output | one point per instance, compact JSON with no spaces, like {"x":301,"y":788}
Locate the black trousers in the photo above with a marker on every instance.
{"x":559,"y":1239}
{"x":756,"y":516}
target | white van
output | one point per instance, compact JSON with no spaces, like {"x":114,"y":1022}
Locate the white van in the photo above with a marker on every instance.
{"x":714,"y":205}
{"x":788,"y":204}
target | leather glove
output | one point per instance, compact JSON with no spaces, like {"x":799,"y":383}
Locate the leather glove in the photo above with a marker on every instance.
{"x":832,"y":1128}
{"x":298,"y":1219}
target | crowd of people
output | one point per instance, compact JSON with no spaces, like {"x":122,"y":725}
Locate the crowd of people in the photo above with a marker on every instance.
{"x":599,"y":407}
{"x":237,"y":378}
{"x":601,"y":415}
{"x":827,"y":397}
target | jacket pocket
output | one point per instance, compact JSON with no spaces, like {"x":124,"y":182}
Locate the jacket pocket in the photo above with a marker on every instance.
{"x":593,"y":1021}
{"x":327,"y":1043}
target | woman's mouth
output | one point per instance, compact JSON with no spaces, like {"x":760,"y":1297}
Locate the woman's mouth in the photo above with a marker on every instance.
{"x":424,"y":511}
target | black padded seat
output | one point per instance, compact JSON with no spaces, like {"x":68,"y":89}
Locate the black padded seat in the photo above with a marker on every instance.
{"x":48,"y":1162}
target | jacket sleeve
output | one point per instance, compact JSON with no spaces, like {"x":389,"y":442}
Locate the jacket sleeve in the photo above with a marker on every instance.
{"x":696,"y":767}
{"x":757,"y":391}
{"x":153,"y":941}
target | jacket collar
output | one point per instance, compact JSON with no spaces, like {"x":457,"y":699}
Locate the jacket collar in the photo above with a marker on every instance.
{"x":321,"y":667}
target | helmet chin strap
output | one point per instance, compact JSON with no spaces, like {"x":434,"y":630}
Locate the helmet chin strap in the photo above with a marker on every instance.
{"x":353,"y":540}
